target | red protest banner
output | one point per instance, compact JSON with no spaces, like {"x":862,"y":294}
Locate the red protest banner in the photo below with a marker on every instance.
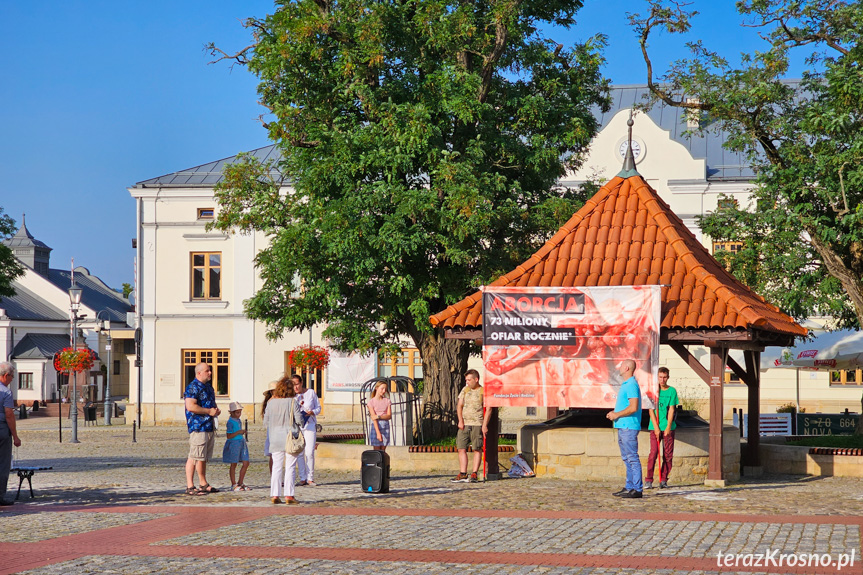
{"x":561,"y":347}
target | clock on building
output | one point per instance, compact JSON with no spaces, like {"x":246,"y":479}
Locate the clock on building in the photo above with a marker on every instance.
{"x":638,"y":148}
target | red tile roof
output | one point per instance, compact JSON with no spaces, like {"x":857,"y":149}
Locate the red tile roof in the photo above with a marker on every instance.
{"x":627,"y":235}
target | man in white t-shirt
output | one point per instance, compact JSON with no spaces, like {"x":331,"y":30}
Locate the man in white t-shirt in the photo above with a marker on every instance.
{"x":310,"y":407}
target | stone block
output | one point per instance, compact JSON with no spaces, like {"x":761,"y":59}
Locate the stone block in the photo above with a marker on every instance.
{"x":569,"y":460}
{"x":692,"y":441}
{"x":847,"y":466}
{"x":533,"y":439}
{"x":568,"y":440}
{"x":730,"y":440}
{"x":601,"y":442}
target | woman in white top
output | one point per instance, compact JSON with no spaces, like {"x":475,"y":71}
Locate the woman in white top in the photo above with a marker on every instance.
{"x":283,"y":413}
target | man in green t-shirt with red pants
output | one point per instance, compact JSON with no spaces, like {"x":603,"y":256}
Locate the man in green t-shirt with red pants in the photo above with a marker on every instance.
{"x":661,"y":429}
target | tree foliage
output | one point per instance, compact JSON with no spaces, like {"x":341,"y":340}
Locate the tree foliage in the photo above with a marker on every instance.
{"x":803,"y":232}
{"x":10,"y":267}
{"x":420,"y":142}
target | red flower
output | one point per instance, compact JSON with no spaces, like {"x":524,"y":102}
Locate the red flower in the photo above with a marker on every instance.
{"x":69,"y":360}
{"x":309,"y":357}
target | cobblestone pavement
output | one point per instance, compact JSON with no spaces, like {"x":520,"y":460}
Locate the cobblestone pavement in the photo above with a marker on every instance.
{"x":113,"y":506}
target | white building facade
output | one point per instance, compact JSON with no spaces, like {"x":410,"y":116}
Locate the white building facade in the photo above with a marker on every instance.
{"x":192,"y":282}
{"x":35,"y":324}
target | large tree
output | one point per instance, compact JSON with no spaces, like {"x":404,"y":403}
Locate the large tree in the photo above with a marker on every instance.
{"x":421,"y":141}
{"x":803,"y":232}
{"x":10,"y":267}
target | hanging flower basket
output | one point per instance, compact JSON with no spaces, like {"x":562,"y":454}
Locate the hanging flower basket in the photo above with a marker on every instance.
{"x":69,"y":360}
{"x":309,"y":357}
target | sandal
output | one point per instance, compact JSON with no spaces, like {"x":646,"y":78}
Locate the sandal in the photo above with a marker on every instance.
{"x":236,"y":487}
{"x":193,"y":491}
{"x":208,"y":489}
{"x":244,"y":487}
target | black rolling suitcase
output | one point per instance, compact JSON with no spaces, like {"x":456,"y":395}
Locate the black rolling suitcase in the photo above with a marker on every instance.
{"x":375,"y":471}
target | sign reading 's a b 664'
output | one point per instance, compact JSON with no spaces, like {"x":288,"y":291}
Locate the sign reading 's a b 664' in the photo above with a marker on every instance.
{"x":560,"y":347}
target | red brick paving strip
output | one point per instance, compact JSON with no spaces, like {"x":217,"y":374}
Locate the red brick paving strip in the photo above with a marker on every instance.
{"x":136,"y":539}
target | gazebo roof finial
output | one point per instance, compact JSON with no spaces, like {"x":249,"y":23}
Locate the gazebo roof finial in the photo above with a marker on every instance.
{"x":629,"y":159}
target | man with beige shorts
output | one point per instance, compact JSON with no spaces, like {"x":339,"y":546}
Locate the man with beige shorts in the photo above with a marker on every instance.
{"x":200,"y":398}
{"x":472,"y":426}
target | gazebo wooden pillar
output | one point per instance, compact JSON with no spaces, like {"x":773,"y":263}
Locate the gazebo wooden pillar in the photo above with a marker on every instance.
{"x":751,"y":376}
{"x":714,"y":378}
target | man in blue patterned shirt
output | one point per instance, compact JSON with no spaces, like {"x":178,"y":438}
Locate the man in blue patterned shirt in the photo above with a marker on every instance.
{"x":200,"y":398}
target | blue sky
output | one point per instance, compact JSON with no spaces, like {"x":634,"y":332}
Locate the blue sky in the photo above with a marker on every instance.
{"x":96,"y":96}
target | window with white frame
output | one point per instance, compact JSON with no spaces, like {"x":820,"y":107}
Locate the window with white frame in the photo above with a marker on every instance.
{"x":25,"y":380}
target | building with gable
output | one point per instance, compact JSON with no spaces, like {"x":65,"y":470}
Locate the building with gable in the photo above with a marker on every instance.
{"x":691,"y":172}
{"x":192,"y":282}
{"x":191,"y":287}
{"x":35,"y":324}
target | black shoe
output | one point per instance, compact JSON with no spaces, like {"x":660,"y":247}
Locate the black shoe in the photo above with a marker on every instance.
{"x":621,"y":492}
{"x":632,"y":494}
{"x":663,"y":484}
{"x":4,"y":502}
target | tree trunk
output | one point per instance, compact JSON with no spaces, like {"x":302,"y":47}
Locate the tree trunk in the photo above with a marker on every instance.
{"x":444,"y":364}
{"x":841,"y":270}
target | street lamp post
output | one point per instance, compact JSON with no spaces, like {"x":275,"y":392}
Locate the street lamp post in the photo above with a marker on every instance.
{"x":105,"y":325}
{"x":75,"y":301}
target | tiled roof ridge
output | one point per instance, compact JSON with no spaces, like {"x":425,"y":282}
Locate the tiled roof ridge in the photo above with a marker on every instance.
{"x":695,"y":265}
{"x":711,"y":297}
{"x":536,"y":258}
{"x":727,"y":279}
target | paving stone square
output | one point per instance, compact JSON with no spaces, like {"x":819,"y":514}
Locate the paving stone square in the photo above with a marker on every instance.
{"x":114,"y":506}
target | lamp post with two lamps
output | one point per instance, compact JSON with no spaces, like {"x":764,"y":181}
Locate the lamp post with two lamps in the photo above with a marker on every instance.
{"x":75,"y":302}
{"x":105,"y":325}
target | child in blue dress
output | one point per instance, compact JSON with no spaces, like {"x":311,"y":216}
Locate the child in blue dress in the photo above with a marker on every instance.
{"x":236,"y":450}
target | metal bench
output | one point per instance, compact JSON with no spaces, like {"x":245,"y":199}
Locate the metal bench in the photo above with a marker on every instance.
{"x":27,"y":473}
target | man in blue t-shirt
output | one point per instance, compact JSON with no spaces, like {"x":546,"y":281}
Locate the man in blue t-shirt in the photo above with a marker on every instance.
{"x":627,"y":420}
{"x":200,"y":399}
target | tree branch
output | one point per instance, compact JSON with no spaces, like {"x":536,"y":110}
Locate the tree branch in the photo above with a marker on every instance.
{"x":489,"y":62}
{"x":240,"y":57}
{"x":845,"y":210}
{"x":656,"y":18}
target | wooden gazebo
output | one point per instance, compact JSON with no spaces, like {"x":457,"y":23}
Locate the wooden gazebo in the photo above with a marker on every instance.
{"x":627,"y":235}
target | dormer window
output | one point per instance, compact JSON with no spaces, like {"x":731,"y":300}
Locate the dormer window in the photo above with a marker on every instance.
{"x":206,"y":213}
